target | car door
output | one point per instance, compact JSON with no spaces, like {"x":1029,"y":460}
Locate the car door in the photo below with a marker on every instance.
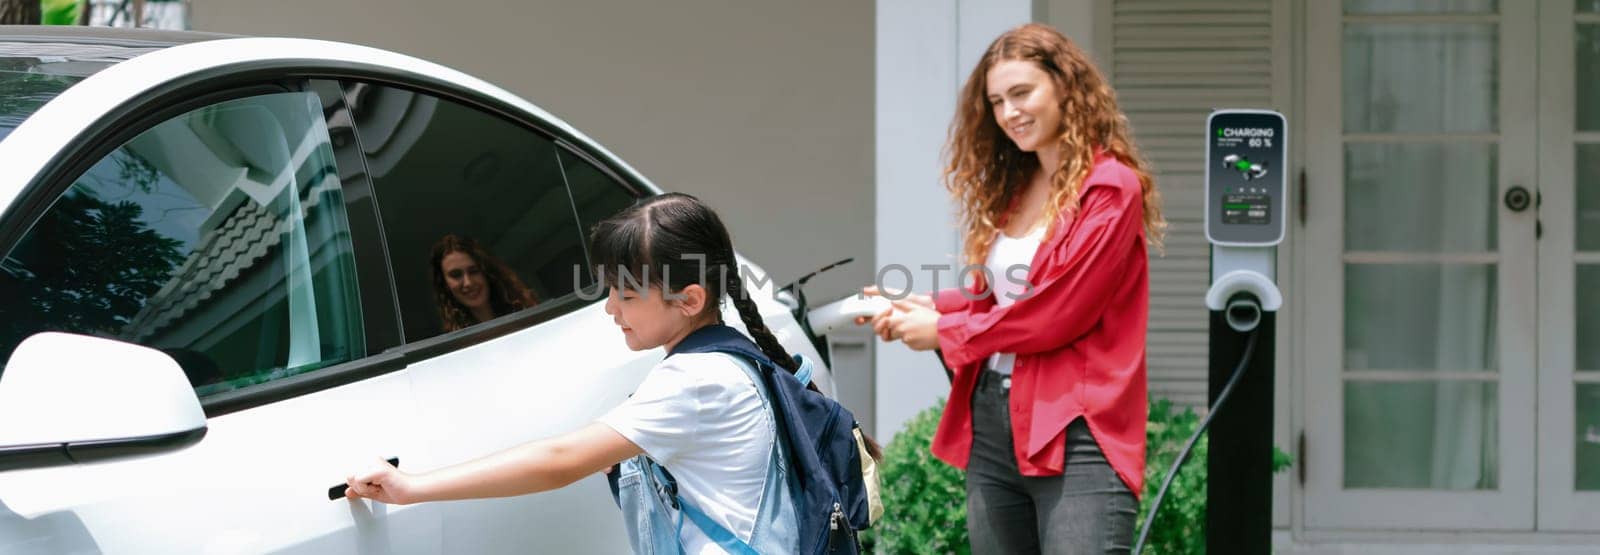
{"x":445,"y":173}
{"x":221,"y":232}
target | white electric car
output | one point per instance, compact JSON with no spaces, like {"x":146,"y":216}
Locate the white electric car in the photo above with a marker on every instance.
{"x":216,"y":299}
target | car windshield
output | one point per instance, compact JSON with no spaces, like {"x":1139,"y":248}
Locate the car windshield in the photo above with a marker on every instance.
{"x":33,"y":73}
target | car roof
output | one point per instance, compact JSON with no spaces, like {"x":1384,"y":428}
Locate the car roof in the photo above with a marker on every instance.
{"x":72,"y":40}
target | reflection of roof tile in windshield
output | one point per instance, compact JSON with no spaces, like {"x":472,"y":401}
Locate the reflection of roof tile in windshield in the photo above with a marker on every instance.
{"x":222,"y":255}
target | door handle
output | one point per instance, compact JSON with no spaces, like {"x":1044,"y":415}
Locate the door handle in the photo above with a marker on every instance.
{"x":337,"y":492}
{"x":1518,"y":198}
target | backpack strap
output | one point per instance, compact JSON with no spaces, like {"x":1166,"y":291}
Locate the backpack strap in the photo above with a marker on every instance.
{"x":719,"y":338}
{"x":803,"y":374}
{"x":721,"y":536}
{"x":665,"y":483}
{"x":724,"y":339}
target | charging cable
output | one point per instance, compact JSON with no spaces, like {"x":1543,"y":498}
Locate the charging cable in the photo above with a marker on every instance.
{"x":1243,"y":314}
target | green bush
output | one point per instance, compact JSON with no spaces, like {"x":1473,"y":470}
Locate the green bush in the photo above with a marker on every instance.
{"x":925,"y":500}
{"x":1180,"y":527}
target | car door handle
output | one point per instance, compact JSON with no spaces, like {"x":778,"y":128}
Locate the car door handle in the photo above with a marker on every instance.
{"x":337,"y":492}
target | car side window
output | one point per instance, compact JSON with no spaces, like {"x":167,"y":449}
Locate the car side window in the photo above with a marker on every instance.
{"x":596,"y":194}
{"x":475,"y":209}
{"x":218,"y":237}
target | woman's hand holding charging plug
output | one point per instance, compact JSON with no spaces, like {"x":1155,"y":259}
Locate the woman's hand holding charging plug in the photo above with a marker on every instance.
{"x":880,"y":322}
{"x":911,"y":318}
{"x":915,"y":325}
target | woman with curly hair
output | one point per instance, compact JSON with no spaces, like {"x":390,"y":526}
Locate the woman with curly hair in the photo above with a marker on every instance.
{"x":471,"y":286}
{"x":1047,"y":404}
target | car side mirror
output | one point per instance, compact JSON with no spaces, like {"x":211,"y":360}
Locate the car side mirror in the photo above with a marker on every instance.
{"x":67,"y":399}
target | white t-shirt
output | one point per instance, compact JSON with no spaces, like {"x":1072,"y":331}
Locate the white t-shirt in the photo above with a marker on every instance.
{"x":700,"y":416}
{"x":1003,"y":254}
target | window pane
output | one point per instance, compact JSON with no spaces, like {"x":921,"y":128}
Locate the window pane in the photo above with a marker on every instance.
{"x":1421,"y":435}
{"x":1587,"y":311}
{"x":1420,"y":78}
{"x":1588,"y":440}
{"x":1436,"y":198}
{"x":452,"y":179}
{"x":1420,"y":317}
{"x":1587,"y":6}
{"x":1418,"y":6}
{"x":596,"y":194}
{"x":1587,"y":43}
{"x":1588,"y":205}
{"x":218,"y":237}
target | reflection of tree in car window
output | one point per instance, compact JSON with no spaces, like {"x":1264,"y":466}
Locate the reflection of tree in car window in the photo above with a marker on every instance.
{"x":471,"y":285}
{"x":218,"y":237}
{"x":108,"y":264}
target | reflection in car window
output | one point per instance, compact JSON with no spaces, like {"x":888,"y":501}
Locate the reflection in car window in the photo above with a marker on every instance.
{"x":596,"y":195}
{"x":32,"y":74}
{"x":379,"y":317}
{"x":472,"y":285}
{"x":218,"y":237}
{"x":453,"y":180}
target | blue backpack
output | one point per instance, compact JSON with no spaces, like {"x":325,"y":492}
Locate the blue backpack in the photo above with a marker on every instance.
{"x":818,"y":438}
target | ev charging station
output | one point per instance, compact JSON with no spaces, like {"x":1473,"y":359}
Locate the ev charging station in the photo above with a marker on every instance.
{"x":1245,"y":200}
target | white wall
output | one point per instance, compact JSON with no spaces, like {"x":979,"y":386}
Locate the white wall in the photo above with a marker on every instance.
{"x":925,"y":50}
{"x":1076,"y":20}
{"x":761,"y":108}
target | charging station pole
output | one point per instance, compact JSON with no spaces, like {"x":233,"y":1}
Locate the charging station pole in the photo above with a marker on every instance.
{"x":1245,"y":193}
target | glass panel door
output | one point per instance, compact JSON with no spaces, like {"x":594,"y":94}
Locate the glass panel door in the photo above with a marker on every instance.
{"x":1421,"y":281}
{"x":1569,"y":265}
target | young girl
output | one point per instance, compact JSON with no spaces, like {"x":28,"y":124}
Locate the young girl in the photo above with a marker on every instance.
{"x":669,"y":263}
{"x":1047,"y":405}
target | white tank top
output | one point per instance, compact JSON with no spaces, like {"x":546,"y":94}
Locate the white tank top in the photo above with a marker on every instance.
{"x":1003,"y":254}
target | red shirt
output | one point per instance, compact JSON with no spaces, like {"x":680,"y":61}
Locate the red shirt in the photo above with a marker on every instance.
{"x":1079,"y":338}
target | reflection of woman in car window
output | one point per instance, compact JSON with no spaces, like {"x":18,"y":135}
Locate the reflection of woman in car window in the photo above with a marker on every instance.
{"x":471,"y":286}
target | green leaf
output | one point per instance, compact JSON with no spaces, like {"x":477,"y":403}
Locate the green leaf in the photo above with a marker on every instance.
{"x":59,"y":12}
{"x":1280,"y":460}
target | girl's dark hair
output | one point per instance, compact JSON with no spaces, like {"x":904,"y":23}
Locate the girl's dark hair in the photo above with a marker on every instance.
{"x":673,"y":241}
{"x":507,"y":294}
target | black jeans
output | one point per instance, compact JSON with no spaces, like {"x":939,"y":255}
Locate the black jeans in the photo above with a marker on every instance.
{"x":1087,"y":509}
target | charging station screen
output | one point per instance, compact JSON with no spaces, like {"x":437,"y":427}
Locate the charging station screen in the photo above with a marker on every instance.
{"x":1245,"y":177}
{"x":1246,"y":209}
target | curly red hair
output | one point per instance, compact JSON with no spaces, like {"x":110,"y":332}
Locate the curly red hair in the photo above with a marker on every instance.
{"x":986,"y":170}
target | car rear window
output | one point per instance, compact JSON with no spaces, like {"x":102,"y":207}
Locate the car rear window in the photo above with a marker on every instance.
{"x":28,"y":82}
